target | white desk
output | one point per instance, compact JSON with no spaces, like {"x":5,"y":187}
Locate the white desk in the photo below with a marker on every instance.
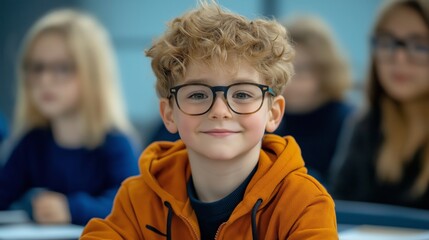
{"x":13,"y":217}
{"x":16,"y":225}
{"x":35,"y":232}
{"x":69,"y":232}
{"x":369,"y":232}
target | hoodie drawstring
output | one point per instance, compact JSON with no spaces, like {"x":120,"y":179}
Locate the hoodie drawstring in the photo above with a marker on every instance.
{"x":169,"y":219}
{"x":254,"y":226}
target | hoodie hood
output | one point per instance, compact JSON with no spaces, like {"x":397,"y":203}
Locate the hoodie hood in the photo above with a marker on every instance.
{"x":165,"y":168}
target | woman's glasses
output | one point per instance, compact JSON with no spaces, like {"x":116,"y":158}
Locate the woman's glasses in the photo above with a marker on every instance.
{"x":385,"y":46}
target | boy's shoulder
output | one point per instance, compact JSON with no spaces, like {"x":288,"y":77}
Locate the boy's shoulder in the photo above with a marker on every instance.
{"x":303,"y":187}
{"x":133,"y":182}
{"x":300,"y":194}
{"x":134,"y":190}
{"x":136,"y":186}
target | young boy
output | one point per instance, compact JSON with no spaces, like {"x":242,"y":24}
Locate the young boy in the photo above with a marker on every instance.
{"x":220,"y":79}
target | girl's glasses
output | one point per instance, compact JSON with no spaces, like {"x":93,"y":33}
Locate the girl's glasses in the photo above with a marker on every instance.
{"x":59,"y":70}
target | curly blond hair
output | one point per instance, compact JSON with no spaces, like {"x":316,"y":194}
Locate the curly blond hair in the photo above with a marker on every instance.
{"x":210,"y":33}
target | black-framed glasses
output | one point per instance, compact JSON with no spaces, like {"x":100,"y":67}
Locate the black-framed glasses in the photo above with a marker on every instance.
{"x":242,"y":98}
{"x":416,"y":48}
{"x":61,"y":70}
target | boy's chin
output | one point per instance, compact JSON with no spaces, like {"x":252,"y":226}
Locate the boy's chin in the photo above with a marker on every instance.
{"x":221,"y":157}
{"x":219,"y":154}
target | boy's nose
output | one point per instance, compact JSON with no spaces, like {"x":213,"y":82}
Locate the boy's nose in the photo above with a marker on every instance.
{"x":220,"y":109}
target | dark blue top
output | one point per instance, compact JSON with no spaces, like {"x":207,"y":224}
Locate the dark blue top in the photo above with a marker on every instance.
{"x":211,"y":215}
{"x":161,"y":133}
{"x":356,"y":178}
{"x":88,"y":178}
{"x":317,"y":134}
{"x":3,"y":129}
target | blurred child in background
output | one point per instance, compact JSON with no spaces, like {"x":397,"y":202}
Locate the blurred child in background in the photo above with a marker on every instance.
{"x":315,"y":98}
{"x":388,"y":157}
{"x":73,"y":149}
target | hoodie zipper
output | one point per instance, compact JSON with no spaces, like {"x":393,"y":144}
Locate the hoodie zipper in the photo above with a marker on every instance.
{"x":218,"y":230}
{"x":255,"y":209}
{"x":186,"y":220}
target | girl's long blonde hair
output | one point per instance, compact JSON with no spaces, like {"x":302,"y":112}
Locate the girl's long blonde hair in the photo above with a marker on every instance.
{"x":396,"y":151}
{"x":91,"y":50}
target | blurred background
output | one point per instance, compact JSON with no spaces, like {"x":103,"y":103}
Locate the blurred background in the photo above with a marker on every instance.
{"x":133,"y":24}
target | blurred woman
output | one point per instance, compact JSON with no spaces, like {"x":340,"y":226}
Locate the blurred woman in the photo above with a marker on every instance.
{"x":73,"y":150}
{"x":315,"y":98}
{"x":388,"y":156}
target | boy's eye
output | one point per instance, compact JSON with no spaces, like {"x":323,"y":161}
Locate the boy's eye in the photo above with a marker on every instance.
{"x":242,"y":95}
{"x":197,"y":96}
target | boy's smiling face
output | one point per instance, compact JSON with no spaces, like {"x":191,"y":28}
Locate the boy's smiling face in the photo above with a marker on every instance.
{"x":221,"y":134}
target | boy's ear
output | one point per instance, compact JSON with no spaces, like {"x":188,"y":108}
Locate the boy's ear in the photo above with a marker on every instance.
{"x":166,"y":111}
{"x":275,"y":113}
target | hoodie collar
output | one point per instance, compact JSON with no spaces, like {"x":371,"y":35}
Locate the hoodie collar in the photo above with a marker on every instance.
{"x":165,"y":168}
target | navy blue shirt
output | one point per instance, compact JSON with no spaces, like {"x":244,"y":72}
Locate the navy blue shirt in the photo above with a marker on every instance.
{"x":317,"y":134}
{"x":3,"y":129}
{"x":89,"y":178}
{"x":162,"y":134}
{"x":356,"y":177}
{"x":211,"y":215}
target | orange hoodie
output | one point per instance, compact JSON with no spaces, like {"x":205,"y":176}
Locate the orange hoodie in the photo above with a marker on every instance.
{"x":280,"y":202}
